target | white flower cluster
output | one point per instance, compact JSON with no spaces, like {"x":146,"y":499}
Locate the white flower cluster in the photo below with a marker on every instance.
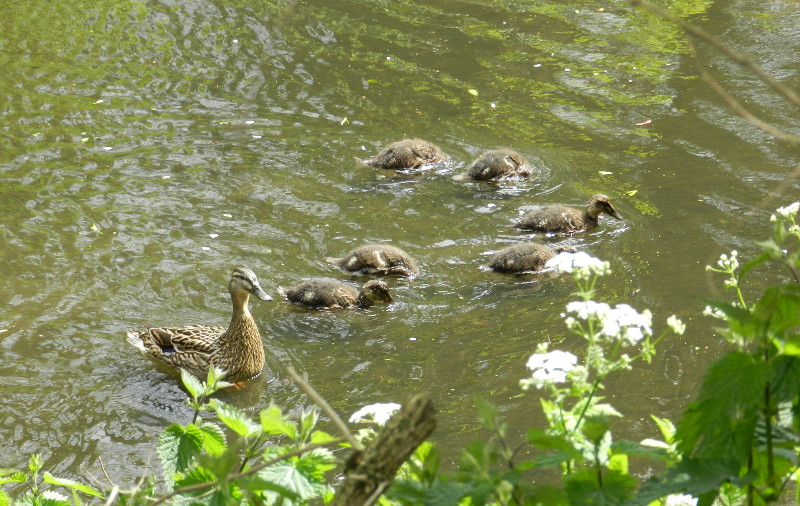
{"x":619,"y":323}
{"x":581,"y":264}
{"x":548,"y":368}
{"x":787,"y":212}
{"x":379,"y":413}
{"x":729,"y":263}
{"x":680,"y":500}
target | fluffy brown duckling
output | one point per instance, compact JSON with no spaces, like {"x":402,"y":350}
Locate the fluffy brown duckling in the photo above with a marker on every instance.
{"x":237,"y":350}
{"x":327,"y":293}
{"x":521,"y":258}
{"x":497,"y":164}
{"x":407,"y":154}
{"x":567,"y":220}
{"x":377,"y":259}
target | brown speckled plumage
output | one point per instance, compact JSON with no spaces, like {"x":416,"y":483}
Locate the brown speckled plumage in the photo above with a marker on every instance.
{"x":407,"y":154}
{"x":496,"y":164}
{"x":237,"y":350}
{"x":332,"y":294}
{"x":567,"y":220}
{"x":521,"y":258}
{"x":378,"y":259}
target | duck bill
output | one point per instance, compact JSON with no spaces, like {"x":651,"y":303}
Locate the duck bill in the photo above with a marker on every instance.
{"x":261,"y":294}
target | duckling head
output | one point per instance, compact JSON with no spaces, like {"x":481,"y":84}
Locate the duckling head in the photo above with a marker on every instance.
{"x":599,"y":204}
{"x":374,"y":291}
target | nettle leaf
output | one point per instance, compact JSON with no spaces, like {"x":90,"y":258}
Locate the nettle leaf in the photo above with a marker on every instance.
{"x":487,"y":412}
{"x":274,"y":423}
{"x":213,"y":438}
{"x":722,"y":419}
{"x":321,"y":437}
{"x":631,"y":448}
{"x":666,"y":427}
{"x":785,"y":378}
{"x":308,"y":420}
{"x":690,"y":476}
{"x":192,"y":384}
{"x":12,"y":476}
{"x":288,"y":478}
{"x":195,"y":476}
{"x":235,"y":419}
{"x":177,"y":446}
{"x":582,"y":487}
{"x":64,"y":482}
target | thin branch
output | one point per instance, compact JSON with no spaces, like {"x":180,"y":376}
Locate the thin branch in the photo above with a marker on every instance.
{"x":323,"y":404}
{"x":256,"y":468}
{"x":737,"y":57}
{"x":105,"y":473}
{"x":742,"y":110}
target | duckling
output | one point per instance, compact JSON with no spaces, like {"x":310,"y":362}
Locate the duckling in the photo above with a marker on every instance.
{"x":497,"y":164}
{"x":407,"y":154}
{"x":567,"y":220}
{"x":521,"y":258}
{"x":238,"y":350}
{"x":378,"y":259}
{"x":332,"y":294}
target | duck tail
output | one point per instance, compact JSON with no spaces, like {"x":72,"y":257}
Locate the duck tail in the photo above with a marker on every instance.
{"x":135,"y":340}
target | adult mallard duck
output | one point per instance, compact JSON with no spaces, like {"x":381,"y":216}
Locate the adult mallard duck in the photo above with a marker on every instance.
{"x":568,"y":220}
{"x":332,"y":294}
{"x":379,"y":259}
{"x":407,"y":154}
{"x":238,"y":350}
{"x":522,"y":258}
{"x":497,"y":164}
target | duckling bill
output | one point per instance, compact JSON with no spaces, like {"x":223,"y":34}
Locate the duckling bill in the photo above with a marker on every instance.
{"x":236,"y":350}
{"x":568,"y":220}
{"x":407,"y":154}
{"x":327,"y":293}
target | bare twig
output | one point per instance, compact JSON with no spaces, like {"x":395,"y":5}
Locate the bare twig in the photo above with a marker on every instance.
{"x":105,"y":473}
{"x":737,"y":57}
{"x":741,"y":110}
{"x":323,"y":404}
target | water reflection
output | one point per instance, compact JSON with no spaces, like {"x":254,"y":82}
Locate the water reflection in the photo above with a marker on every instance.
{"x":149,"y":148}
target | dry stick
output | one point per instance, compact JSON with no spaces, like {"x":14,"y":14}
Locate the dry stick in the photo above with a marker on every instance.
{"x":322,"y":403}
{"x":739,"y":108}
{"x":739,"y":58}
{"x":256,"y":468}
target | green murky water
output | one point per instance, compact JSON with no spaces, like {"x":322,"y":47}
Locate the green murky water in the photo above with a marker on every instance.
{"x":148,"y":147}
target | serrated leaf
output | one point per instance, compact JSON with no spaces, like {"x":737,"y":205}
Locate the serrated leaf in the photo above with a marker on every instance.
{"x":321,"y":437}
{"x":308,"y":420}
{"x":274,"y":423}
{"x":53,"y":498}
{"x":235,"y":419}
{"x":213,"y":438}
{"x":64,"y":482}
{"x":666,"y":427}
{"x":192,"y":384}
{"x":582,"y":487}
{"x":487,"y":412}
{"x":177,"y":446}
{"x":12,"y":476}
{"x":287,"y":478}
{"x":35,"y":463}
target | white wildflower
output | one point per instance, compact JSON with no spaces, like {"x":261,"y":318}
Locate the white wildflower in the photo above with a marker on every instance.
{"x":378,"y":413}
{"x":585,"y":309}
{"x":625,"y":323}
{"x":789,"y":211}
{"x":581,"y":264}
{"x":676,"y":325}
{"x":716,"y":313}
{"x":548,"y":368}
{"x":728,"y":264}
{"x":680,"y":500}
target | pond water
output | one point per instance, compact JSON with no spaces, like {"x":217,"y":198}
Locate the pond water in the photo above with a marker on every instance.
{"x":148,"y":148}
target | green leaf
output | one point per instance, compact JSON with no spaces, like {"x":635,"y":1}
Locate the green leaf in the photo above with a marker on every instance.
{"x":582,"y":487}
{"x":286,"y":477}
{"x":274,"y":423}
{"x":763,"y":257}
{"x":637,"y":450}
{"x":690,"y":476}
{"x":666,"y":427}
{"x":63,"y":482}
{"x":235,"y":419}
{"x":779,"y":308}
{"x":321,"y":437}
{"x":722,"y":419}
{"x":4,"y":499}
{"x":12,"y":476}
{"x":35,"y":463}
{"x":595,"y":427}
{"x":308,"y":420}
{"x":177,"y":446}
{"x":192,"y":384}
{"x":487,"y":412}
{"x":213,"y":438}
